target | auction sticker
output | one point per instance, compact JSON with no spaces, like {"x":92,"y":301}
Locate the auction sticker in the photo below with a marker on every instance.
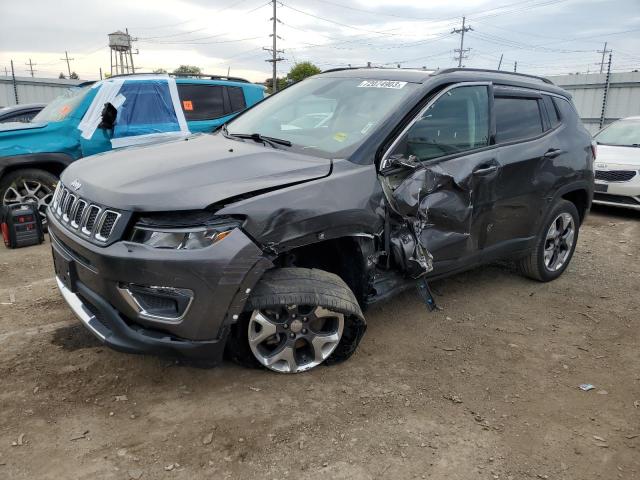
{"x":382,"y":84}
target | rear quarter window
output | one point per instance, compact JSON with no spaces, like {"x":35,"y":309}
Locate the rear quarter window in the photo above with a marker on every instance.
{"x":236,"y":99}
{"x":517,"y":118}
{"x":566,"y":110}
{"x":202,"y":102}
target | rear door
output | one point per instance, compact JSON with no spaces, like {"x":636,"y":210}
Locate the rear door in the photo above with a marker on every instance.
{"x":451,"y":192}
{"x":525,"y":150}
{"x":208,"y":106}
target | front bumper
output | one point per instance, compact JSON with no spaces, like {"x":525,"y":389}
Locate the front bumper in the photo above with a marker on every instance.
{"x":618,"y":194}
{"x":221,"y":277}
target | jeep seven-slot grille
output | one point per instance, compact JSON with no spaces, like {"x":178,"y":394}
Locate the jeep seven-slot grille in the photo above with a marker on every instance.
{"x":83,"y":217}
{"x":615,"y":175}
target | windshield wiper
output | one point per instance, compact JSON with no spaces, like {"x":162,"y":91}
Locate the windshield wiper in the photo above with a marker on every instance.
{"x":274,"y":142}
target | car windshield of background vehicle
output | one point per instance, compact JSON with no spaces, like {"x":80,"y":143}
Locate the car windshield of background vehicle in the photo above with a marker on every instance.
{"x":61,"y":107}
{"x":330,"y":117}
{"x":623,"y":133}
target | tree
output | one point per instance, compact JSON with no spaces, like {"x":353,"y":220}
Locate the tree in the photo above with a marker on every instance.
{"x":282,"y":83}
{"x":74,"y":76}
{"x":61,"y":76}
{"x":187,"y":70}
{"x":302,"y":70}
{"x":160,"y":70}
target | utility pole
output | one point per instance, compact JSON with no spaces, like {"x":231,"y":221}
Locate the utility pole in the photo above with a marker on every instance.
{"x":606,"y":92}
{"x":604,"y":51}
{"x":100,"y":73}
{"x":274,"y":49}
{"x":515,"y":66}
{"x":15,"y":85}
{"x":31,"y":65}
{"x":461,"y":51}
{"x":67,"y":59}
{"x":133,"y":69}
{"x":500,"y":62}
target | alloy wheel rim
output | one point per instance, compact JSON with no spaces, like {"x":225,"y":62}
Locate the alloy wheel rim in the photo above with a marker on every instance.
{"x":295,"y":338}
{"x":559,"y":242}
{"x":29,"y":191}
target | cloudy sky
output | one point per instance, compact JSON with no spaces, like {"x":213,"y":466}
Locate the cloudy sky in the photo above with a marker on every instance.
{"x":543,"y":36}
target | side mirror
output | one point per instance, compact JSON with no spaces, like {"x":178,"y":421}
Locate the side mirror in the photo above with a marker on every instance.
{"x":109,"y":114}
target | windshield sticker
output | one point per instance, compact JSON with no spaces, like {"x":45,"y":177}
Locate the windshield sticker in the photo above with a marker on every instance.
{"x":340,"y":137}
{"x":382,"y":84}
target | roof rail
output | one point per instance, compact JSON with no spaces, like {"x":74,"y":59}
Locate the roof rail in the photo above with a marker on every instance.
{"x":460,"y":69}
{"x":186,"y":75}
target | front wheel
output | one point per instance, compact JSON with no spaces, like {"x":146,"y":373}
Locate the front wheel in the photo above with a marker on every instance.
{"x":296,"y":319}
{"x":30,"y":185}
{"x":555,"y":246}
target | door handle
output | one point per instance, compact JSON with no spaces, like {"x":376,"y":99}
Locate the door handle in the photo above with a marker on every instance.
{"x":485,"y":169}
{"x":553,"y":153}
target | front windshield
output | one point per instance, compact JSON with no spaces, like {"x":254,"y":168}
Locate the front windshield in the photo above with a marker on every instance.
{"x":62,"y":106}
{"x":331,"y":116}
{"x":621,"y":133}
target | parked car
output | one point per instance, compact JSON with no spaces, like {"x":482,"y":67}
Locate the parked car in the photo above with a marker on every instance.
{"x":142,"y":109}
{"x":618,"y":164}
{"x":271,"y":242}
{"x":20,"y":113}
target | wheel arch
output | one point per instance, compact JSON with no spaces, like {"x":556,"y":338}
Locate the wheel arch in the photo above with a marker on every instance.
{"x":53,"y":163}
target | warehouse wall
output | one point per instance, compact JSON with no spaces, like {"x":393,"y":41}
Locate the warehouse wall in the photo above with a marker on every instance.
{"x":587,"y":89}
{"x":32,"y":90}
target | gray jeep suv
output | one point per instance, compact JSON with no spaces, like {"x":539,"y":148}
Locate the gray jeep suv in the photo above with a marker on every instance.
{"x":269,"y":238}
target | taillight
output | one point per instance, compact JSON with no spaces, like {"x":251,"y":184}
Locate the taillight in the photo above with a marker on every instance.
{"x":594,"y":150}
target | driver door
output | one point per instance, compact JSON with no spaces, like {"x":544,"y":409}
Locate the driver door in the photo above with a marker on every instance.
{"x":448,"y":172}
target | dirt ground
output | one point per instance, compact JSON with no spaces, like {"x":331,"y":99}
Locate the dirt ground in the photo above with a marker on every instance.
{"x":486,"y":388}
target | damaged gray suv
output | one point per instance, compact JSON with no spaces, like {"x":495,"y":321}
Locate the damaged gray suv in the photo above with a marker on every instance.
{"x":269,"y":238}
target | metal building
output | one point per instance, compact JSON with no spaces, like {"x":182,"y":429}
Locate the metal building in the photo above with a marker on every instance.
{"x":32,"y":90}
{"x":588,"y":90}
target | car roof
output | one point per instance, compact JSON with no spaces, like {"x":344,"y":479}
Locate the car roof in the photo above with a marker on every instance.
{"x":455,"y":74}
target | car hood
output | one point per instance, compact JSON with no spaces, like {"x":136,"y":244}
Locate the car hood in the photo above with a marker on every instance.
{"x":188,"y":174}
{"x":613,"y":155}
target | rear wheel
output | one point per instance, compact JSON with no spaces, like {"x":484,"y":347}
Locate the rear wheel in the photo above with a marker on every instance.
{"x":296,"y":319}
{"x":29,"y":186}
{"x":555,"y":246}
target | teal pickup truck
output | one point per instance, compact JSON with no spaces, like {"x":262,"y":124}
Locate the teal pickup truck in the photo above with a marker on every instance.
{"x":117,"y":112}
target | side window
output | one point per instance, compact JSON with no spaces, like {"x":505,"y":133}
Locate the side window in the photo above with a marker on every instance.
{"x":458,"y":121}
{"x":236,"y":98}
{"x":201,"y":102}
{"x":517,"y":118}
{"x":567,"y":111}
{"x":554,"y":118}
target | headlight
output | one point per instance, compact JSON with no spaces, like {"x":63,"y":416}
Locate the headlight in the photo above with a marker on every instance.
{"x":160,"y":233}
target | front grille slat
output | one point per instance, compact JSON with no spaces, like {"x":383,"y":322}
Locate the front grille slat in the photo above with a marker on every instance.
{"x":615,"y":175}
{"x":83,"y":217}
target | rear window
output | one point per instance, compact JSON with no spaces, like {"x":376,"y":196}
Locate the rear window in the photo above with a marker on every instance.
{"x":566,"y":110}
{"x":554,"y":118}
{"x":517,"y":118}
{"x":236,"y":99}
{"x":201,"y":102}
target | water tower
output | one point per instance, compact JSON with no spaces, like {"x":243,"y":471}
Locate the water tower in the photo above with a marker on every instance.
{"x":121,"y":53}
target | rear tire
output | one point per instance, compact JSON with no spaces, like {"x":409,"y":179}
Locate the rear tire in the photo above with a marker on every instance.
{"x":306,"y":301}
{"x":555,"y":244}
{"x":30,"y":185}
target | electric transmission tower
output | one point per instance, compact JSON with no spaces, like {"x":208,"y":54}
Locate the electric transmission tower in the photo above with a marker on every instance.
{"x":461,"y":52}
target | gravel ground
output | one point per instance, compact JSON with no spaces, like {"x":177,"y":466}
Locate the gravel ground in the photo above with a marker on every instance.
{"x":486,"y":388}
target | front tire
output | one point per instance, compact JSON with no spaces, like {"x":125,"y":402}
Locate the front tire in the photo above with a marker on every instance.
{"x":295,"y":320}
{"x":30,"y":185}
{"x":555,"y":245}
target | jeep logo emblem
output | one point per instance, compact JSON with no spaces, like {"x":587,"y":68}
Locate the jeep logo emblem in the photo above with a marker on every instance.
{"x":75,"y":185}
